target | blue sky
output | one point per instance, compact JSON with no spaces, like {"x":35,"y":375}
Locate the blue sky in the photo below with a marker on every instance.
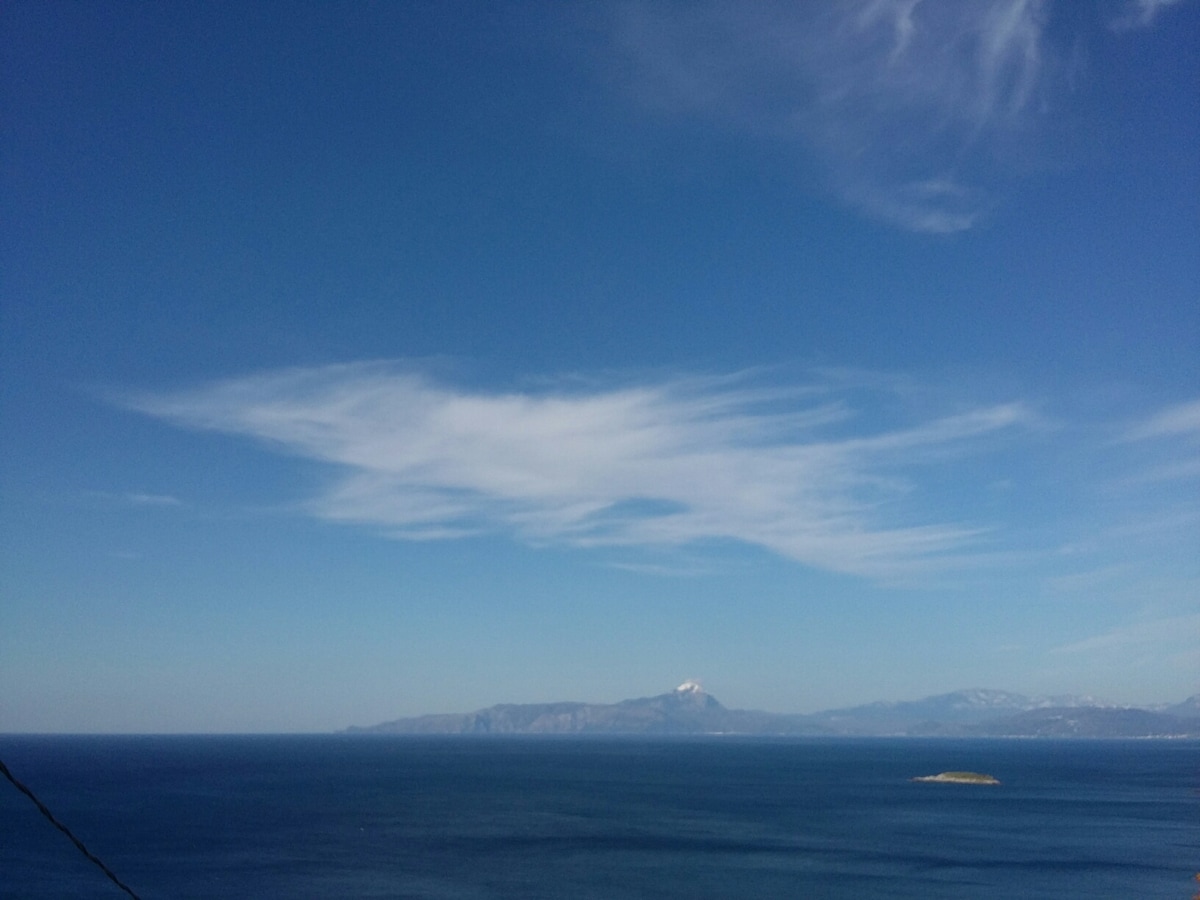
{"x":364,"y":360}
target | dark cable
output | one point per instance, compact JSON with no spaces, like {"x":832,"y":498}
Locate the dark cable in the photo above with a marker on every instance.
{"x":65,"y":830}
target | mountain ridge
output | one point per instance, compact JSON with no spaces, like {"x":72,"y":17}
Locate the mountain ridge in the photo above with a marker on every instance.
{"x":689,"y":709}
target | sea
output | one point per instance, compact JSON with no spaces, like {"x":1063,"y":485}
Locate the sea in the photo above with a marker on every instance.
{"x":349,"y":816}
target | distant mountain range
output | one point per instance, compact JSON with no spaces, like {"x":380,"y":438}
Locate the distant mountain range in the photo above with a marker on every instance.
{"x":689,"y":710}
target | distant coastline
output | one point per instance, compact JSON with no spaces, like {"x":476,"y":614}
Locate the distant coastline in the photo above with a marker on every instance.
{"x":690,"y":710}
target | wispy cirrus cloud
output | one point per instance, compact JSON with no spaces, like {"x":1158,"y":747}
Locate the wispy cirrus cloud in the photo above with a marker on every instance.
{"x":905,"y":102}
{"x":653,"y":464}
{"x":1152,"y":633}
{"x":138,"y":498}
{"x":1141,"y":13}
{"x":1175,"y":433}
{"x":1178,"y":420}
{"x":917,"y":110}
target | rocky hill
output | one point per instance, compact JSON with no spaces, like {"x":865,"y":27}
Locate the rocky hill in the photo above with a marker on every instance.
{"x":689,"y":710}
{"x":686,"y":710}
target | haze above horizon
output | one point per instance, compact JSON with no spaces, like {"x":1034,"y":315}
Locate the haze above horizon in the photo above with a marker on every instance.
{"x":366,"y":360}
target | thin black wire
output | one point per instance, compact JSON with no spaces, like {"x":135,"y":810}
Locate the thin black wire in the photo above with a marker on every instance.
{"x":65,"y":830}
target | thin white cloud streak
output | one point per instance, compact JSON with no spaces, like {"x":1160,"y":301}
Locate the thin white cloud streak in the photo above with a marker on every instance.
{"x":1141,"y":14}
{"x":1172,"y":431}
{"x":1153,"y":633}
{"x":662,"y":464}
{"x":140,"y":499}
{"x":1181,"y":419}
{"x":908,"y":103}
{"x":137,"y":498}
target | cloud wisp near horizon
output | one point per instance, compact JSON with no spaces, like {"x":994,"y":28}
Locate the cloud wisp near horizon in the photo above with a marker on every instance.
{"x":805,"y":471}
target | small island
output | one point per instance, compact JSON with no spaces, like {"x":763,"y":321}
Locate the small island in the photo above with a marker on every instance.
{"x":960,"y":778}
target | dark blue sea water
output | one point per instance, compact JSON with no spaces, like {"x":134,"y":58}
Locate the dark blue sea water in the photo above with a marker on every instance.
{"x":383,"y":817}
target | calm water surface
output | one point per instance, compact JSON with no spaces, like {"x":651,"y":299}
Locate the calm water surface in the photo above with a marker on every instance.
{"x":402,"y":817}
